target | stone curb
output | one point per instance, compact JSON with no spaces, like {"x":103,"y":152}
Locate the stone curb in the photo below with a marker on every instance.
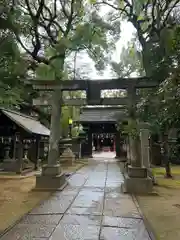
{"x":148,"y":226}
{"x":16,"y":177}
{"x":146,"y":222}
{"x":19,"y":220}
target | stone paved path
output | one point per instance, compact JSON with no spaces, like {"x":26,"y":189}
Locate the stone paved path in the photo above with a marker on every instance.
{"x":91,"y":207}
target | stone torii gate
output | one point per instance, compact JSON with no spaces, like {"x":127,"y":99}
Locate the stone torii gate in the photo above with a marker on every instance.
{"x":52,"y":177}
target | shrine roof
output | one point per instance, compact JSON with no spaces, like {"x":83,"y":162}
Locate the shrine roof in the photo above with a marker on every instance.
{"x":101,"y":114}
{"x":28,"y":123}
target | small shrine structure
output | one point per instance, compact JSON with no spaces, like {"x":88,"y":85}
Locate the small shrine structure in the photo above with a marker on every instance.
{"x":23,"y":140}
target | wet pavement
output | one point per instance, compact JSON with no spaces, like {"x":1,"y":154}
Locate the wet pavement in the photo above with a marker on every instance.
{"x":91,"y":207}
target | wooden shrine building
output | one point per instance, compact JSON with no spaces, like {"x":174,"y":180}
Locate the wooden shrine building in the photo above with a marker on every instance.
{"x":22,"y":141}
{"x":100,"y":126}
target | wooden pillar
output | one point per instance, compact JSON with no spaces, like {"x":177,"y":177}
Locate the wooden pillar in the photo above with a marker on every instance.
{"x":36,"y":153}
{"x":14,"y":147}
{"x":90,"y":143}
{"x":117,"y":144}
{"x":86,"y":146}
{"x":20,"y":155}
{"x":41,"y":144}
{"x":124,"y":147}
{"x":83,"y":145}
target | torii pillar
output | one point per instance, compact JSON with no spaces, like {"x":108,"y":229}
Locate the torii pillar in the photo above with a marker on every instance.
{"x":52,"y":177}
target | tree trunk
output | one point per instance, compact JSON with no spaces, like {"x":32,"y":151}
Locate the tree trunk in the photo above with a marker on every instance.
{"x":166,"y":157}
{"x":53,"y":155}
{"x":168,"y":169}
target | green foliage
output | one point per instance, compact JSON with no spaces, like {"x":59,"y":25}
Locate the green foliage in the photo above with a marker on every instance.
{"x":130,"y":129}
{"x":66,"y":27}
{"x":161,"y":108}
{"x":67,"y":113}
{"x":11,"y":69}
{"x":130,"y":61}
{"x":77,"y":26}
{"x":84,"y":30}
{"x":158,"y":33}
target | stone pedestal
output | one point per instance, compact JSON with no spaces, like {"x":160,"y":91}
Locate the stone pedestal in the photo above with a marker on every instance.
{"x":68,"y":157}
{"x":51,"y":178}
{"x":9,"y":165}
{"x":137,"y":178}
{"x":76,"y":148}
{"x":137,"y":172}
{"x":137,"y":185}
{"x":137,"y":181}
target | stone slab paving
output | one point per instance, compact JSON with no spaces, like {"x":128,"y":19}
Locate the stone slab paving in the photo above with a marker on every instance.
{"x":91,"y":207}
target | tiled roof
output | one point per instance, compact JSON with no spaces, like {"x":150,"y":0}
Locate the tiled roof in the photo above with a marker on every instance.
{"x":102,"y":114}
{"x":26,"y":122}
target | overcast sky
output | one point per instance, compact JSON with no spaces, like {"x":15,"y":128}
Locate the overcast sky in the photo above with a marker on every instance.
{"x":83,"y":60}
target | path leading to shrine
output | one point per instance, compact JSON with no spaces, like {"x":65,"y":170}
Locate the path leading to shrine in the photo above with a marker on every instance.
{"x":109,"y":156}
{"x":91,"y":207}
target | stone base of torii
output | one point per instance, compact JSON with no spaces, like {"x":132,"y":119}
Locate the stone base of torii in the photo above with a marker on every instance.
{"x":50,"y":179}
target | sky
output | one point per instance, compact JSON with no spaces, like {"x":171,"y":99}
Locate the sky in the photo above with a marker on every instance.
{"x":126,"y":34}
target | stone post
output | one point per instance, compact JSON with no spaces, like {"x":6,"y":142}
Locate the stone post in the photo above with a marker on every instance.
{"x":133,"y":140}
{"x":123,"y":157}
{"x":144,"y":137}
{"x":135,"y":169}
{"x":51,"y":177}
{"x":137,"y":179}
{"x":135,"y":152}
{"x":145,"y":151}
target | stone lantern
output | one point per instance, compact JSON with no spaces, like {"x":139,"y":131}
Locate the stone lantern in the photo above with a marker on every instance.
{"x":70,"y":127}
{"x":7,"y":143}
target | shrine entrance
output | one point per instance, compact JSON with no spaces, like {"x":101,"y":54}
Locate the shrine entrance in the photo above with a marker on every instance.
{"x":100,"y":125}
{"x":103,"y":142}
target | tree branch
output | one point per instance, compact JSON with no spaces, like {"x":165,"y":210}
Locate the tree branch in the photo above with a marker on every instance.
{"x":114,"y":7}
{"x":169,"y":12}
{"x":70,"y":19}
